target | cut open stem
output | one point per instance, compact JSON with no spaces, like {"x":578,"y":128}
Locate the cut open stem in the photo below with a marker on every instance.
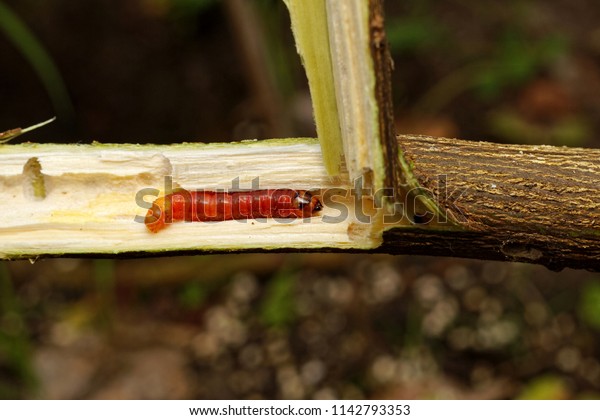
{"x":538,"y":204}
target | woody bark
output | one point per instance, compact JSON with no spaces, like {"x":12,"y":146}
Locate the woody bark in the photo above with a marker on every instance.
{"x":537,"y":204}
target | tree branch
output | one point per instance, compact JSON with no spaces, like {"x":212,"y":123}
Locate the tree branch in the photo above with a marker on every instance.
{"x":537,"y":204}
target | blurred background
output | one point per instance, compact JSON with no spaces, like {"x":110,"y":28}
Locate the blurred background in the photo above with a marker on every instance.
{"x":295,"y":326}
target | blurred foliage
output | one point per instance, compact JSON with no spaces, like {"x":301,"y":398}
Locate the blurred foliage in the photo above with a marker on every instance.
{"x":16,"y":370}
{"x":547,"y":387}
{"x":191,"y":6}
{"x":510,"y":125}
{"x":178,"y":9}
{"x":104,"y":281}
{"x":457,"y":70}
{"x":282,"y":61}
{"x":413,"y":33}
{"x":32,"y":49}
{"x":277,"y":306}
{"x":589,"y":305}
{"x":193,"y":295}
{"x":514,"y":60}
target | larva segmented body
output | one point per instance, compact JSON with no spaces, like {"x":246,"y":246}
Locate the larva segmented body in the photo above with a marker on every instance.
{"x":217,"y":206}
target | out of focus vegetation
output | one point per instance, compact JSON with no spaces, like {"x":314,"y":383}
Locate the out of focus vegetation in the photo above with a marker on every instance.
{"x":297,"y":326}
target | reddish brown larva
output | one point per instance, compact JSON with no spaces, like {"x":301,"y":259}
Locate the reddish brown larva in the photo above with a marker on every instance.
{"x":216,"y":206}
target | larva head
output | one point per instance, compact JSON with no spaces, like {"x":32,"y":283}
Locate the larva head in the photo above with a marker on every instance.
{"x":307,"y":203}
{"x":155,"y":218}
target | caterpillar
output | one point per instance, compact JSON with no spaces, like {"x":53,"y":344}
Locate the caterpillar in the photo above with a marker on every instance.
{"x":217,"y":206}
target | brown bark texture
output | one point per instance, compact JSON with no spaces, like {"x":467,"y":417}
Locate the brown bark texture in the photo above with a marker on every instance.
{"x":383,"y":66}
{"x":538,"y":204}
